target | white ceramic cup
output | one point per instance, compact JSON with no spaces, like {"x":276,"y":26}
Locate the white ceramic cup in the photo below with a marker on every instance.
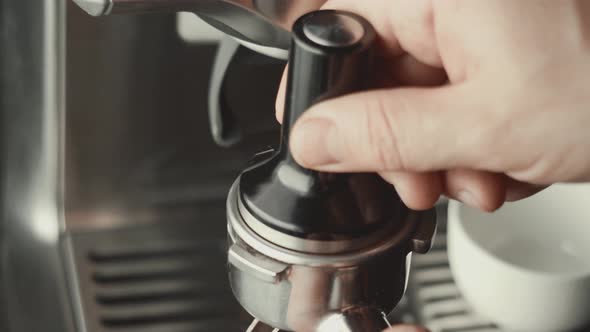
{"x":526,"y":267}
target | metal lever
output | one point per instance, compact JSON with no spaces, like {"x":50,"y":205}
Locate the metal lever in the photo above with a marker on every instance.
{"x":263,"y":22}
{"x":222,"y":120}
{"x":263,"y":26}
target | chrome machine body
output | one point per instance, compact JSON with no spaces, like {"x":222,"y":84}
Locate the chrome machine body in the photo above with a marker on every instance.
{"x":113,"y":192}
{"x":32,"y":102}
{"x":263,"y":25}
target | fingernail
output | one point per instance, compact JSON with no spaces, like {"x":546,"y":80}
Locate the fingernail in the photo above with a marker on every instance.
{"x":310,"y":142}
{"x":468,"y":198}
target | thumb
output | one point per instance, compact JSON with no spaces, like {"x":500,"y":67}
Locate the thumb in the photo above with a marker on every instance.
{"x":414,"y":129}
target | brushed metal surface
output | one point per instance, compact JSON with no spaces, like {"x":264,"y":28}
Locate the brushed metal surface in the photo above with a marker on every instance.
{"x":265,"y":23}
{"x":104,"y":127}
{"x":157,"y":278}
{"x":34,"y":296}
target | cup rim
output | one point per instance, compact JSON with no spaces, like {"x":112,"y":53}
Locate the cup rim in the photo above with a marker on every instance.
{"x":454,"y":217}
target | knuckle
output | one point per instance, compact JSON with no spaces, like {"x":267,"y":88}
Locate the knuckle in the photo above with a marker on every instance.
{"x":381,"y":135}
{"x":427,"y":20}
{"x":537,"y":172}
{"x":415,"y":27}
{"x":560,"y":166}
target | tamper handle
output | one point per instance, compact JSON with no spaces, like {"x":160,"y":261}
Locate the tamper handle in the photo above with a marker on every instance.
{"x":331,"y":55}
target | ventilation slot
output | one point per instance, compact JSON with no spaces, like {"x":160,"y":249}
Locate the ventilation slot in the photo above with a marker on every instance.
{"x":157,"y":288}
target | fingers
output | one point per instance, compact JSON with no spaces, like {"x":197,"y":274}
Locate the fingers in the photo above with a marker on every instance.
{"x":409,"y":71}
{"x":484,"y":190}
{"x":395,"y":130}
{"x":404,"y":26}
{"x":419,"y":191}
{"x":481,"y":190}
{"x":516,"y":190}
{"x":413,"y":23}
{"x":378,"y":13}
{"x":403,"y":70}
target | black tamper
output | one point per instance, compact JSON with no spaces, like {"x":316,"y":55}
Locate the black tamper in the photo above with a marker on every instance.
{"x":314,"y":251}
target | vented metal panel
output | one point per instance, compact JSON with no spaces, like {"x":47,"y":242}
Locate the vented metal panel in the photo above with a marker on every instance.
{"x":155,"y":278}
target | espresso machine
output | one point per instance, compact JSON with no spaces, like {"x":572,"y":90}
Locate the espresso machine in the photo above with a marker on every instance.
{"x":130,"y":193}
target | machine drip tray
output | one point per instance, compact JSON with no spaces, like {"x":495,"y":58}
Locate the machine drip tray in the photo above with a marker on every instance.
{"x":166,"y":277}
{"x":171,"y":277}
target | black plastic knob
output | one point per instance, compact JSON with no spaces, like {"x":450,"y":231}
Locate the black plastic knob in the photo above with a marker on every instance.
{"x":331,"y":55}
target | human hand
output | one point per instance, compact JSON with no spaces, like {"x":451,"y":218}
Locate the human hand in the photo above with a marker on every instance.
{"x":514,"y":116}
